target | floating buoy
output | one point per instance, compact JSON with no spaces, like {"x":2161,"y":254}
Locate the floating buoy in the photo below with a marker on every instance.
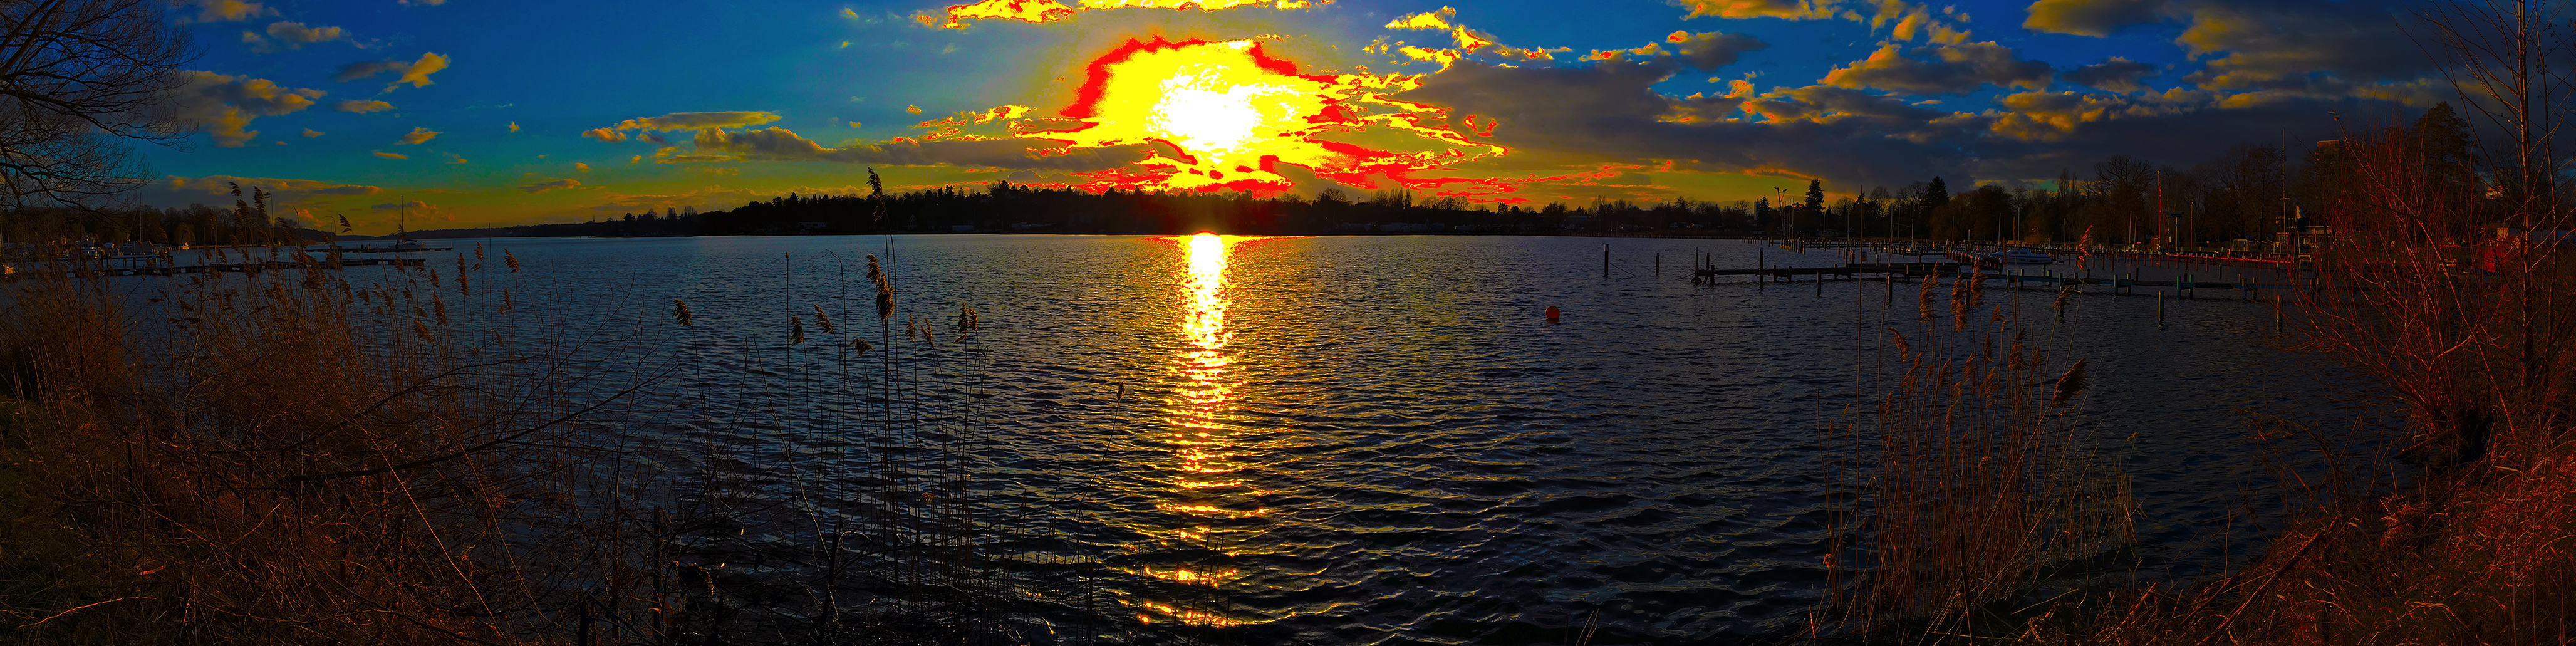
{"x":1551,"y":314}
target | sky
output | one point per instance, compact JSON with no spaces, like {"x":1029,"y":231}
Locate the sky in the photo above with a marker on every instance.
{"x":464,"y":113}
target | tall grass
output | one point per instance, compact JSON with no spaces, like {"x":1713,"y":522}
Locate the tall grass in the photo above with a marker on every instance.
{"x":1972,"y":496}
{"x":416,"y":455}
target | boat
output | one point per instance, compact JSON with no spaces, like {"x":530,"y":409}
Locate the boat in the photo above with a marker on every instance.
{"x":2022,"y":257}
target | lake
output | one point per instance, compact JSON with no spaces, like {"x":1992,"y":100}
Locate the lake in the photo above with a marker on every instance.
{"x":1381,"y":439}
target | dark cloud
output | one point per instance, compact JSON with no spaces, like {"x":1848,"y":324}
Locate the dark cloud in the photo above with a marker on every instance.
{"x":1828,"y":104}
{"x":2099,"y":18}
{"x":542,"y":187}
{"x":2091,"y":128}
{"x":1712,"y":50}
{"x":364,"y":69}
{"x":416,"y":72}
{"x":2300,"y":45}
{"x":227,"y":104}
{"x":1942,"y":69}
{"x":780,"y":144}
{"x":2115,"y":74}
{"x":1608,"y":112}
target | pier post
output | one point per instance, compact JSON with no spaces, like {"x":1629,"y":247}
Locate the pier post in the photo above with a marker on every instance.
{"x":1659,"y":265}
{"x":1605,"y":262}
{"x":2160,"y":309}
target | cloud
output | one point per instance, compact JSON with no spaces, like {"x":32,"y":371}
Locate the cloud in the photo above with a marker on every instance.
{"x":424,"y":2}
{"x":2303,"y":45}
{"x":1608,"y":113}
{"x":1784,"y":9}
{"x":1040,"y":11}
{"x":542,"y":187}
{"x":2097,"y":18}
{"x":2115,"y":74}
{"x":697,"y":120}
{"x":1952,"y":69}
{"x":361,"y":107}
{"x":174,"y":189}
{"x":388,"y":155}
{"x":1711,"y":50}
{"x":309,"y":132}
{"x":417,"y":74}
{"x":514,"y":126}
{"x":293,"y":35}
{"x":229,"y":103}
{"x":1830,"y":105}
{"x":364,"y":69}
{"x":779,"y":144}
{"x":680,"y":121}
{"x":414,"y":205}
{"x":581,"y":167}
{"x":226,"y":11}
{"x":417,"y":136}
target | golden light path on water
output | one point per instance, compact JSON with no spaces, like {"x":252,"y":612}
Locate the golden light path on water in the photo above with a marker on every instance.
{"x":1207,"y":497}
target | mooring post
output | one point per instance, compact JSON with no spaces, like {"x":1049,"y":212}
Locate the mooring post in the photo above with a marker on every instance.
{"x":2279,"y":325}
{"x":1605,"y":262}
{"x":2160,"y":309}
{"x":1659,"y":265}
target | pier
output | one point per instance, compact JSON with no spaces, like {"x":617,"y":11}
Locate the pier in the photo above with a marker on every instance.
{"x":2185,"y":286}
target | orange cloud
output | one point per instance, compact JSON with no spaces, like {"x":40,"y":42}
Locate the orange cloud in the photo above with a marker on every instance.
{"x":542,"y":187}
{"x":418,"y":136}
{"x":417,"y":74}
{"x":229,"y":103}
{"x":2096,"y":18}
{"x":1953,"y":69}
{"x":361,"y":107}
{"x":1040,"y":11}
{"x":1785,"y":9}
{"x":697,"y":120}
{"x":604,"y":134}
{"x":388,"y":155}
{"x":228,"y":11}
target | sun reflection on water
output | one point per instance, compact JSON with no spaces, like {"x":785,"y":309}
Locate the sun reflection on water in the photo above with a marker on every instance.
{"x":1209,"y":502}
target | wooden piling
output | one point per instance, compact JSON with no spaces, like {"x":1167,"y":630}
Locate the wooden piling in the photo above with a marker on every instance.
{"x":2160,"y":309}
{"x":1605,"y":262}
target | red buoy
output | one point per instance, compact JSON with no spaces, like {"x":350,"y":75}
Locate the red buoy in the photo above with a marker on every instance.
{"x":1551,"y":314}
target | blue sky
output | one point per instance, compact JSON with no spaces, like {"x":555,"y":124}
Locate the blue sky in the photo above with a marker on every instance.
{"x":485,"y":113}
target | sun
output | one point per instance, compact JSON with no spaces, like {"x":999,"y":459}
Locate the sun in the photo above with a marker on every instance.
{"x":1225,"y":115}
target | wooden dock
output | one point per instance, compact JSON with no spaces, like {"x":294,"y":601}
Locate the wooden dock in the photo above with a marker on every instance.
{"x":2184,"y":286}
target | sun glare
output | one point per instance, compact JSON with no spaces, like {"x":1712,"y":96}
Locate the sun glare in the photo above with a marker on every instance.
{"x":1223,"y":116}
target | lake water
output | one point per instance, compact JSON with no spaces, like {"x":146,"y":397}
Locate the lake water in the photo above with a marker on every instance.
{"x":1381,"y":440}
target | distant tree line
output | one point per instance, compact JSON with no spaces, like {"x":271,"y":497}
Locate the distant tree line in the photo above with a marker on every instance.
{"x":2255,"y":193}
{"x":2250,"y":192}
{"x":248,"y":222}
